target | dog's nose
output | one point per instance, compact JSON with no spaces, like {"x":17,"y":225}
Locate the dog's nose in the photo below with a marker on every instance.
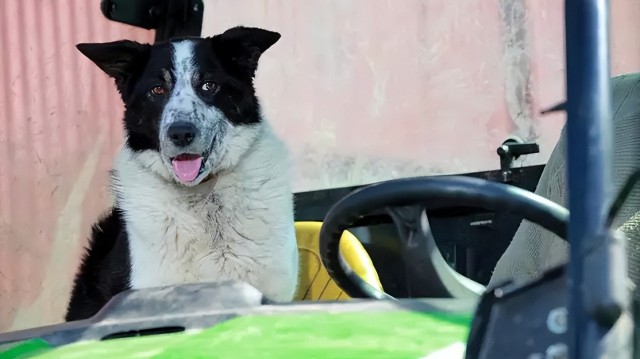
{"x":182,"y":133}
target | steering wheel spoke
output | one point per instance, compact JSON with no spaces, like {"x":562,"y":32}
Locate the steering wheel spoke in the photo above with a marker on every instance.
{"x":427,"y":272}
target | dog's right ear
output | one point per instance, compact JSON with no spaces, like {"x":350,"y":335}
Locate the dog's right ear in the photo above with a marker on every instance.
{"x":118,"y":59}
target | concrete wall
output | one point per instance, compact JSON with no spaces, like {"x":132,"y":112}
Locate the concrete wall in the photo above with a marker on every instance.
{"x":372,"y":90}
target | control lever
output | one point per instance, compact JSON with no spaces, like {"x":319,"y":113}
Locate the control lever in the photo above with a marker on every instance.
{"x":510,"y":150}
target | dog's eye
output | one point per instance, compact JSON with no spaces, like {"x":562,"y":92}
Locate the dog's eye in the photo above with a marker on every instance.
{"x":157,"y":90}
{"x":209,"y":87}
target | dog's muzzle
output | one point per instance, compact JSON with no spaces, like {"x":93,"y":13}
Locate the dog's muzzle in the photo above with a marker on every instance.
{"x":187,"y":148}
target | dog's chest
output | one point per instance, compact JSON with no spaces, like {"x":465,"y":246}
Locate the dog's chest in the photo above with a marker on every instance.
{"x":199,"y":239}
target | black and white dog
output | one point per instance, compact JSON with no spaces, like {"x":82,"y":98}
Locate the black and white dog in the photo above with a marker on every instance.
{"x":202,"y":184}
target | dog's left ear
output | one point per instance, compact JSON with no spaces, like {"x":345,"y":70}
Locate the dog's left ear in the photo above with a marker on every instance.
{"x":118,"y":59}
{"x":244,"y":45}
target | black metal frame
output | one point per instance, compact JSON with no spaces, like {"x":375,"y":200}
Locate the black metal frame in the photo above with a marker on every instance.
{"x":169,"y":18}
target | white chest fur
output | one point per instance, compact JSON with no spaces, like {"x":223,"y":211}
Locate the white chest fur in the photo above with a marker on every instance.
{"x":238,"y":226}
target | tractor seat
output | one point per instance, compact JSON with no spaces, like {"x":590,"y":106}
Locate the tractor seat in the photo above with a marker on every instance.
{"x":315,"y":284}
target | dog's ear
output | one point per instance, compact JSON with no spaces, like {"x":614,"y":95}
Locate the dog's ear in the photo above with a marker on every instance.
{"x":118,"y":59}
{"x":243,"y":46}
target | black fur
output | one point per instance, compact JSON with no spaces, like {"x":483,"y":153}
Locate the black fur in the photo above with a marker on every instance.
{"x":230,"y":61}
{"x":105,"y":269}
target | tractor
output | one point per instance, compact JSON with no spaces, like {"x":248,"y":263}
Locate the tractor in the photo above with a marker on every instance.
{"x":392,"y":269}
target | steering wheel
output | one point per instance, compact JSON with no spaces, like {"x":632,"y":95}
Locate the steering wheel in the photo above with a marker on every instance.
{"x":421,"y":255}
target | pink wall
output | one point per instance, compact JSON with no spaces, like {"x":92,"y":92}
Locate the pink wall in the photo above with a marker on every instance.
{"x":361,"y":90}
{"x":372,"y":90}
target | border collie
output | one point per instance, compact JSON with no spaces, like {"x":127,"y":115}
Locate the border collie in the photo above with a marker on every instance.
{"x":202,"y":185}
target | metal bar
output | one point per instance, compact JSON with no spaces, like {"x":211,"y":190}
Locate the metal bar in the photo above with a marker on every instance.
{"x":589,"y":160}
{"x":181,"y":18}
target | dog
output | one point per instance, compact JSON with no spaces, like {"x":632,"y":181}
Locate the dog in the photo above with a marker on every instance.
{"x":202,"y":183}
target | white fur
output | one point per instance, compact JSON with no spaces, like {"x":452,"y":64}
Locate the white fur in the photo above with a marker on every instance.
{"x":180,"y":234}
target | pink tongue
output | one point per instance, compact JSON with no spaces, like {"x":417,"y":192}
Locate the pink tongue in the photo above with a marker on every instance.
{"x":187,"y":169}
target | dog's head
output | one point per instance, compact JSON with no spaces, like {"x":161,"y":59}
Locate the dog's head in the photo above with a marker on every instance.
{"x":190,"y":105}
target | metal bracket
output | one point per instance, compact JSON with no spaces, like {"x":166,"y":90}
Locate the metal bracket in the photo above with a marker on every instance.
{"x":510,"y":150}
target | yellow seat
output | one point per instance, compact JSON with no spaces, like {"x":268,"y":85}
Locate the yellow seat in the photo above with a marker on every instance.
{"x":314,"y":282}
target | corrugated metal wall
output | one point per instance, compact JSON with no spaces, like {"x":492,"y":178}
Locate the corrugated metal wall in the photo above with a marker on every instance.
{"x":352,"y":84}
{"x":59,"y":127}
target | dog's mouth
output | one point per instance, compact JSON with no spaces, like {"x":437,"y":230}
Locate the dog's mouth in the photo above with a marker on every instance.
{"x":187,"y":167}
